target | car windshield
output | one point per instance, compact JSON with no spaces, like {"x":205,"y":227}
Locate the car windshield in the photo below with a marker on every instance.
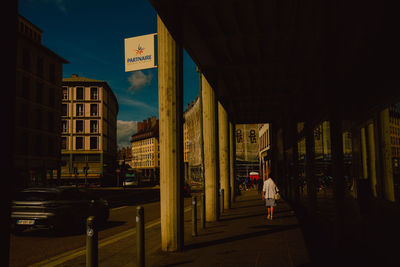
{"x":37,"y":196}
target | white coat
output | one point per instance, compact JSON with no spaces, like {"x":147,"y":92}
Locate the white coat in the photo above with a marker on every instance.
{"x":269,"y":188}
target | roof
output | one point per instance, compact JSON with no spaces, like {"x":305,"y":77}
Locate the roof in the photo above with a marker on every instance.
{"x":272,"y":59}
{"x":146,"y":133}
{"x":81,"y":79}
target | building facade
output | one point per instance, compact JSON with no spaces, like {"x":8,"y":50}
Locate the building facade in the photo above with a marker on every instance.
{"x":247,"y":149}
{"x":146,"y":150}
{"x":264,"y":150}
{"x":37,"y":153}
{"x":89,"y":131}
{"x":192,"y":144}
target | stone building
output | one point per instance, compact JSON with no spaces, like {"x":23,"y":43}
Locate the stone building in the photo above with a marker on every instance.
{"x":37,"y":153}
{"x":89,"y":131}
{"x":146,"y":151}
{"x":192,"y":143}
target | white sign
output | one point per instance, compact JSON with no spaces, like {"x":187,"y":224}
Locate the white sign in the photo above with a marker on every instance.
{"x":139,"y":53}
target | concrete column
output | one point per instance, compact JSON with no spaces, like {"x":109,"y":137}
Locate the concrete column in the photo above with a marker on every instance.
{"x":210,"y":151}
{"x":338,"y":179}
{"x":223,"y":130}
{"x":364,"y":154}
{"x":170,"y":98}
{"x":372,"y":157}
{"x":310,"y":166}
{"x":338,"y":162}
{"x":231,"y":162}
{"x":386,"y":147}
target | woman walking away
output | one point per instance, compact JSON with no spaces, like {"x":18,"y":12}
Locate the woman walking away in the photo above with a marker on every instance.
{"x":269,"y":191}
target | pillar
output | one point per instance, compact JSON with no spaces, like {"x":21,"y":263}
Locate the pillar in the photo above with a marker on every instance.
{"x":210,"y":150}
{"x":372,"y":157}
{"x":170,"y":98}
{"x":364,"y":154}
{"x":337,"y":163}
{"x":223,"y":144}
{"x":310,"y":166}
{"x":231,"y":161}
{"x":386,"y":151}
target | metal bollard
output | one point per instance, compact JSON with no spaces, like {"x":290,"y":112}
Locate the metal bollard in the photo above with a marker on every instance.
{"x":222,"y":200}
{"x":91,"y":243}
{"x":140,"y":256}
{"x":203,"y":211}
{"x":194,"y":216}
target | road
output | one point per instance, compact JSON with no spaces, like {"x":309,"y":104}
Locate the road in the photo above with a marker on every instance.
{"x":37,"y":245}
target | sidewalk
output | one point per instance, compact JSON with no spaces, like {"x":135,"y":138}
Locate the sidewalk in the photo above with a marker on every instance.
{"x":242,"y":237}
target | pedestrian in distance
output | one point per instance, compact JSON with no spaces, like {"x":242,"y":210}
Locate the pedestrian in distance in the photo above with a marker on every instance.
{"x":269,"y":192}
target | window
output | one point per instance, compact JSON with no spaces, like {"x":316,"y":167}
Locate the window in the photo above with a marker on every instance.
{"x":50,"y":122}
{"x":63,"y":142}
{"x":79,"y":110}
{"x":39,"y":93}
{"x":39,"y":66}
{"x":93,"y":126}
{"x":24,"y":116}
{"x":79,"y":142}
{"x":51,"y":97}
{"x":93,"y":110}
{"x":94,"y":93}
{"x":65,"y":93}
{"x":50,"y":143}
{"x":24,"y":143}
{"x":79,"y":126}
{"x":64,"y":110}
{"x":38,"y":145}
{"x":25,"y":87}
{"x":26,"y":58}
{"x":39,"y":120}
{"x":79,"y":93}
{"x":93,"y":142}
{"x":64,"y":125}
{"x":52,"y":72}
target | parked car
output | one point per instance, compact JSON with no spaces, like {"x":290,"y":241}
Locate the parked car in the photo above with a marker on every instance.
{"x":56,"y":208}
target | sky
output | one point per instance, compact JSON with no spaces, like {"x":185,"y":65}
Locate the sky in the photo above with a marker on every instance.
{"x":90,"y":36}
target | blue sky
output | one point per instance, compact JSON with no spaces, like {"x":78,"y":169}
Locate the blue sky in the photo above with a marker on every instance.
{"x":90,"y":35}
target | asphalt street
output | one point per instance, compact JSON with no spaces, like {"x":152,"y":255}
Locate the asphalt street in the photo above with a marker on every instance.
{"x":34,"y":246}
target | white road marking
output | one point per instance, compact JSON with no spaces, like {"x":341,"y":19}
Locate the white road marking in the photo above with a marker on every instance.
{"x":72,"y":254}
{"x":118,"y":208}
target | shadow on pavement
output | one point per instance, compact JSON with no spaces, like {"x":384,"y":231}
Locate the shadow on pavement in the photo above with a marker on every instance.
{"x":177,"y":263}
{"x":240,"y":237}
{"x":241,"y":217}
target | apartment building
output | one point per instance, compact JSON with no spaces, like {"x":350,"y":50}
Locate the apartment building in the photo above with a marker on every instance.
{"x":89,"y":131}
{"x":264,"y":150}
{"x":146,"y":150}
{"x":37,"y":108}
{"x":247,"y":149}
{"x":192,"y":143}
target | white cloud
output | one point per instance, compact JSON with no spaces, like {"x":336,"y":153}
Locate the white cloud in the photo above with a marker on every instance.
{"x":137,"y":104}
{"x":138,"y":80}
{"x":61,"y":6}
{"x":125,"y":129}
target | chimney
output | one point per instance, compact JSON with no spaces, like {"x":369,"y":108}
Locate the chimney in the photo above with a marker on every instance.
{"x":139,"y":127}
